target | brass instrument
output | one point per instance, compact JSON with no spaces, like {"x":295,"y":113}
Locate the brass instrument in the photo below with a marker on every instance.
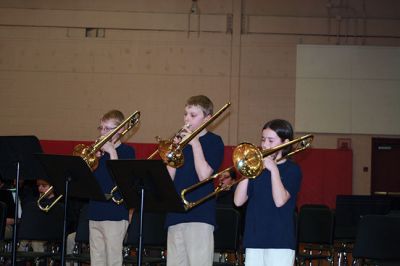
{"x":248,"y":161}
{"x":113,"y":197}
{"x":43,"y":196}
{"x":171,"y":152}
{"x":88,"y":154}
{"x":176,"y":135}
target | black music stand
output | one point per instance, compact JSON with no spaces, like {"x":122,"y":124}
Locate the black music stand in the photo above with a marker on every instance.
{"x":71,"y":176}
{"x":17,"y":161}
{"x":147,"y":186}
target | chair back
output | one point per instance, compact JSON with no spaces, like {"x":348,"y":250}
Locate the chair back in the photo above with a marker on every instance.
{"x":378,"y":238}
{"x":226,"y":233}
{"x":82,"y":230}
{"x":39,"y":225}
{"x":315,"y":225}
{"x":7,"y":197}
{"x":307,"y":206}
{"x":154,"y":233}
{"x":349,"y":210}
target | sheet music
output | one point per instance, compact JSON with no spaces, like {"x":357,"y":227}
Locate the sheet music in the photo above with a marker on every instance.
{"x":13,"y":192}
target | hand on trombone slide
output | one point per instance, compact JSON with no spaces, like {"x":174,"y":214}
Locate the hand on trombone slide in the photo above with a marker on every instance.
{"x":270,"y":162}
{"x":182,"y":133}
{"x":108,"y":147}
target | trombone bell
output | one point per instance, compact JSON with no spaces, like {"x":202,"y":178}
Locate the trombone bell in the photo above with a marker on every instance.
{"x":172,"y":153}
{"x":247,"y":159}
{"x":88,"y":155}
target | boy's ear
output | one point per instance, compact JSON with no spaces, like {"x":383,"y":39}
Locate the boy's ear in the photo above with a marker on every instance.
{"x":207,"y":118}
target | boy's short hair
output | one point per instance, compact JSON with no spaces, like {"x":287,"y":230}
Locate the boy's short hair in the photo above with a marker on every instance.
{"x":114,"y":114}
{"x":203,"y":102}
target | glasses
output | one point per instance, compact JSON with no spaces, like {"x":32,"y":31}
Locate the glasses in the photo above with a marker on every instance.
{"x":100,"y":128}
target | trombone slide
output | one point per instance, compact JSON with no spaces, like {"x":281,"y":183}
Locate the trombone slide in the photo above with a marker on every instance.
{"x":218,"y":189}
{"x":247,"y":160}
{"x":44,"y":196}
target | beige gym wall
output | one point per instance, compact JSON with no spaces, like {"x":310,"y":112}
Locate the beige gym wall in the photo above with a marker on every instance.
{"x":64,"y":63}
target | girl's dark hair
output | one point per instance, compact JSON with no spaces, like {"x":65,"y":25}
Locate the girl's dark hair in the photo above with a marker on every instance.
{"x":284,"y":131}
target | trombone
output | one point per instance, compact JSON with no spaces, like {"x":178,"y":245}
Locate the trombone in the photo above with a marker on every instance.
{"x":88,"y":154}
{"x":248,"y":161}
{"x":171,"y":152}
{"x":43,"y":196}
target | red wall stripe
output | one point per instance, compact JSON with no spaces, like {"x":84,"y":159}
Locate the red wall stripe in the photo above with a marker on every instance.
{"x":326,"y":172}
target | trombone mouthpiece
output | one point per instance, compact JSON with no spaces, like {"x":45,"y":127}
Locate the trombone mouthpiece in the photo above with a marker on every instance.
{"x":178,"y":134}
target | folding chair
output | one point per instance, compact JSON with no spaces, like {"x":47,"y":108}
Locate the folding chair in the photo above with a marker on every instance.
{"x":377,"y":241}
{"x":315,"y":235}
{"x":226,"y":235}
{"x":349,"y":210}
{"x":154,"y":239}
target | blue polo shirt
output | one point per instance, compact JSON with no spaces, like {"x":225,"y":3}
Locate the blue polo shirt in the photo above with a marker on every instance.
{"x":108,"y":210}
{"x":185,"y":176}
{"x":268,"y":226}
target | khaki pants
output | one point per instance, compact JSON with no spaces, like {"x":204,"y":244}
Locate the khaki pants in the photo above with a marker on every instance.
{"x":106,"y":240}
{"x":37,"y":246}
{"x":70,"y":247}
{"x":190,"y":244}
{"x":8,"y":231}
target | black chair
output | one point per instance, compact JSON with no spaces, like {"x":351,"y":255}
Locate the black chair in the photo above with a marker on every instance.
{"x":349,"y":210}
{"x":317,"y":206}
{"x":395,"y":213}
{"x":377,"y":241}
{"x":227,"y":235}
{"x":315,"y":235}
{"x":154,"y":239}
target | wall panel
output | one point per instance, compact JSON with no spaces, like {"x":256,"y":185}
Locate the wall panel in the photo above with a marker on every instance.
{"x":348,"y":89}
{"x":55,"y":81}
{"x":83,"y":78}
